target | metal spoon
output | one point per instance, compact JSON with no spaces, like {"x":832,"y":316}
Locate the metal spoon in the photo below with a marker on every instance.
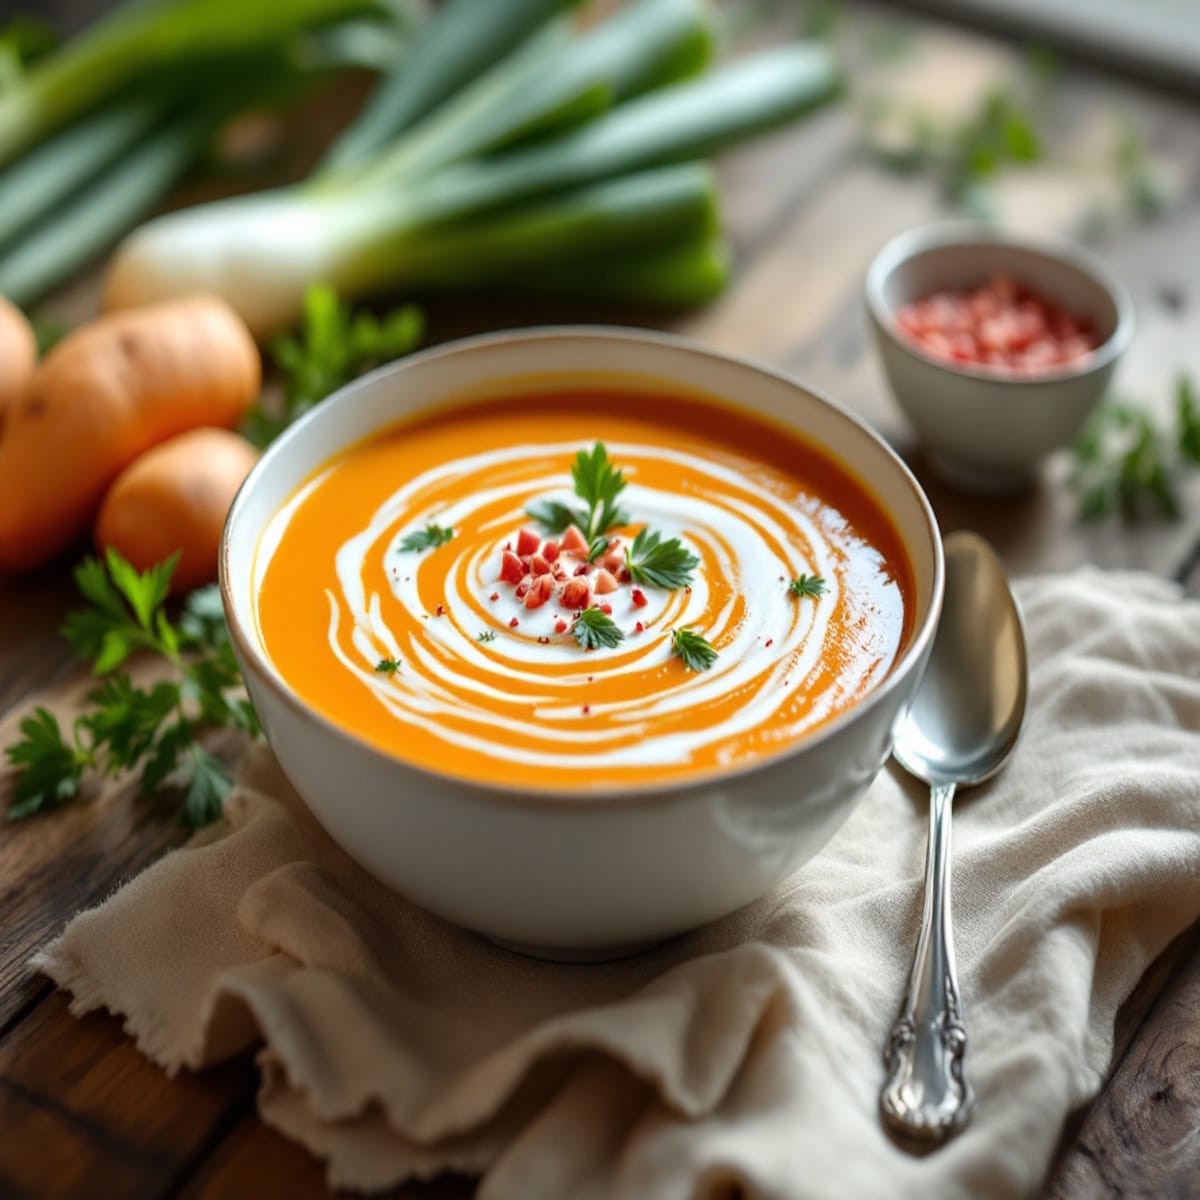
{"x":962,"y":727}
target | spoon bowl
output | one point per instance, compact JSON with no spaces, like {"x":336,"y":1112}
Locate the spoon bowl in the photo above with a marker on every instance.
{"x":962,"y":727}
{"x":968,"y":712}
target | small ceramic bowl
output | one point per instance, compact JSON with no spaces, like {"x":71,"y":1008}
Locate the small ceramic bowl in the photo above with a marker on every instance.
{"x":983,"y":431}
{"x":597,"y":873}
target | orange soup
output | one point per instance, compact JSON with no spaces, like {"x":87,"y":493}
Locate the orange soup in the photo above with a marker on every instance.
{"x":586,"y":589}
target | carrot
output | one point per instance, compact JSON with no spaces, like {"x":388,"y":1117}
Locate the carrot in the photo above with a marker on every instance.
{"x":18,"y":353}
{"x":103,"y":396}
{"x":175,"y":498}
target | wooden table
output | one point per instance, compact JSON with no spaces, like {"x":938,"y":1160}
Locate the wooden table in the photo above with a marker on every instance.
{"x":82,"y":1114}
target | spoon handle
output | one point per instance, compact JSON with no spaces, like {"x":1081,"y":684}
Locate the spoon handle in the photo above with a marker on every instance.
{"x":926,"y":1095}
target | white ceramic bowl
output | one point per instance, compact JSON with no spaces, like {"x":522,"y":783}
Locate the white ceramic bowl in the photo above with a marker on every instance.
{"x":986,"y":432}
{"x":596,"y":875}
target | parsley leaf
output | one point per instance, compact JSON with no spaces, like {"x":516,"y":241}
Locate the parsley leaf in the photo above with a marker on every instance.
{"x":51,"y":768}
{"x":332,"y":347}
{"x":125,"y":726}
{"x":429,"y":537}
{"x":1130,"y":462}
{"x":696,"y":652}
{"x":207,"y":786}
{"x":556,"y":517}
{"x":593,"y":629}
{"x":663,"y":564}
{"x":597,"y":548}
{"x":387,"y":666}
{"x":598,"y":484}
{"x":807,"y":585}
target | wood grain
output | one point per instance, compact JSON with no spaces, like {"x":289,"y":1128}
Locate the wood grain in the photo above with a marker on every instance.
{"x":83,"y":1114}
{"x":253,"y":1154}
{"x":1140,"y":1140}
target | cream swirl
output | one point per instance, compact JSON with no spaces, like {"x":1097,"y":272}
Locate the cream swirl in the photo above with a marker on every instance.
{"x":519,"y":698}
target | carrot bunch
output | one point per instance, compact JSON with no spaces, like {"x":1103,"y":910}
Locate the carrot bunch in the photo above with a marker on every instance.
{"x":125,"y":427}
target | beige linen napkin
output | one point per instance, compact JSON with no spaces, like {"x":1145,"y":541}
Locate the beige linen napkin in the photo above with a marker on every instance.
{"x":745,"y":1058}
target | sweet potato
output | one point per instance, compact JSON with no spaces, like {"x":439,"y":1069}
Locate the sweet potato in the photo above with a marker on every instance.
{"x":175,"y":497}
{"x":104,"y":395}
{"x":18,"y":353}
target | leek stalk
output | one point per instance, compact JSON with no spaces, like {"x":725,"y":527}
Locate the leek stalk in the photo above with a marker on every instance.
{"x":261,"y":252}
{"x":139,"y":40}
{"x":39,"y":180}
{"x":466,"y":37}
{"x":556,"y":80}
{"x":118,"y":198}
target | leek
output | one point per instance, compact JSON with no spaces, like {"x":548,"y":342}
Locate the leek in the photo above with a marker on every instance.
{"x":137,"y":40}
{"x":618,"y":217}
{"x":677,"y":276}
{"x":73,"y":195}
{"x":260,"y":252}
{"x":117,"y":199}
{"x":39,"y":180}
{"x":466,"y":37}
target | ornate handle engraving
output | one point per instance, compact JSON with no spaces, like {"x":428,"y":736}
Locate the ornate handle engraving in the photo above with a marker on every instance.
{"x":926,"y":1095}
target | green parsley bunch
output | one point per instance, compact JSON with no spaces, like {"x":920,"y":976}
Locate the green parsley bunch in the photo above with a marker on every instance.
{"x":125,"y":727}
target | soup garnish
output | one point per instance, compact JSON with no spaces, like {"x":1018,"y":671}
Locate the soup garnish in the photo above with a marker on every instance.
{"x":591,"y":588}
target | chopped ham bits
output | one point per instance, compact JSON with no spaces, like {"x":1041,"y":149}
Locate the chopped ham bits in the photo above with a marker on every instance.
{"x":576,"y":594}
{"x":558,"y":571}
{"x":539,"y":592}
{"x":573,"y":542}
{"x":511,"y":570}
{"x":1000,"y":325}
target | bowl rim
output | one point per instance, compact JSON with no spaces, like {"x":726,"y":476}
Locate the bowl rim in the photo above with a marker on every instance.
{"x":912,"y":243}
{"x":614,"y":795}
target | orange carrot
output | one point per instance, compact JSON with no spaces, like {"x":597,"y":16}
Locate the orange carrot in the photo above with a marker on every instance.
{"x":104,"y":395}
{"x":18,"y":353}
{"x":175,"y":497}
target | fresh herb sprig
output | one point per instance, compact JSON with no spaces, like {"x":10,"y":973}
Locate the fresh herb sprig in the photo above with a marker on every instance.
{"x":598,"y":484}
{"x":664,"y":564}
{"x":807,"y":585}
{"x":125,"y":726}
{"x":427,"y":539}
{"x":387,"y":666}
{"x":1007,"y":129}
{"x":594,"y":629}
{"x":486,"y":635}
{"x":1129,"y":462}
{"x":696,"y":652}
{"x":334,"y":346}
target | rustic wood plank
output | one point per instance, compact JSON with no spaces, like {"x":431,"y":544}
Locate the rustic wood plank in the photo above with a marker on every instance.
{"x":31,"y":652}
{"x":1141,"y":1138}
{"x":254,"y":1161}
{"x":85,"y":1115}
{"x":56,"y":863}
